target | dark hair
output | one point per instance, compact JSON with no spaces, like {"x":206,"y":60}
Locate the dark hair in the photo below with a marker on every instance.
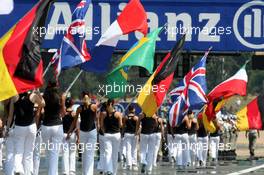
{"x":85,"y":93}
{"x":131,"y":108}
{"x":103,"y":107}
{"x":52,"y":84}
{"x":51,"y":95}
{"x":189,"y":112}
{"x":110,"y":101}
{"x":25,"y":94}
{"x":69,"y":102}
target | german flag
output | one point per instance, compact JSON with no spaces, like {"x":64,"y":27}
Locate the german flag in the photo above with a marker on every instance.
{"x":154,"y":91}
{"x":20,"y":57}
{"x":252,"y":116}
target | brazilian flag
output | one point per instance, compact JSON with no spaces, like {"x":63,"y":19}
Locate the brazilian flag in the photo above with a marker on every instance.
{"x":141,"y":54}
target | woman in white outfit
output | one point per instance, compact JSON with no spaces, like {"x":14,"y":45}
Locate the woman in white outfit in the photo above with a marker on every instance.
{"x":131,"y":140}
{"x":214,"y":139}
{"x":158,"y":134}
{"x":37,"y":153}
{"x":111,"y":125}
{"x":172,"y":147}
{"x":192,"y":138}
{"x":52,"y":129}
{"x":9,"y":135}
{"x":1,"y":142}
{"x":38,"y":141}
{"x":147,"y":140}
{"x":69,"y":145}
{"x":25,"y":131}
{"x":182,"y":141}
{"x":100,"y":119}
{"x":202,"y":150}
{"x":88,"y":132}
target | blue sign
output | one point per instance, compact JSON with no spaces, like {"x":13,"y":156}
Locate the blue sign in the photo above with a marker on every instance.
{"x":226,"y":25}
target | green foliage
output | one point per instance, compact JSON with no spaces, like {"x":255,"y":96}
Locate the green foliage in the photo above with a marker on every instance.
{"x":86,"y":82}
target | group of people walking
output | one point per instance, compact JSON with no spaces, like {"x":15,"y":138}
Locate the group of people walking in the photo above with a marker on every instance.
{"x":49,"y":122}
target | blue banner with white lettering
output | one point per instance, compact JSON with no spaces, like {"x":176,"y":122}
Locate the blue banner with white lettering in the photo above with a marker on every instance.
{"x":226,"y":25}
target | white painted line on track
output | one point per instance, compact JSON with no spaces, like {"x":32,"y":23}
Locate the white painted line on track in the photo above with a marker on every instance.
{"x":247,"y":170}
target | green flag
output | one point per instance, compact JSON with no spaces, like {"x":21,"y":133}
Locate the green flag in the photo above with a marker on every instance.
{"x":141,"y":54}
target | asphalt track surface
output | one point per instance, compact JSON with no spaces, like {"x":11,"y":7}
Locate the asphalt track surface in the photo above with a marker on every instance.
{"x":236,"y":167}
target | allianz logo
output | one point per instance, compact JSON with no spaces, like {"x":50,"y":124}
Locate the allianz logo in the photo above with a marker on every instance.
{"x":251,"y":16}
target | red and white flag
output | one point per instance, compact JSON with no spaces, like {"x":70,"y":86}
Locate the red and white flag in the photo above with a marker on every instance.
{"x":235,"y":85}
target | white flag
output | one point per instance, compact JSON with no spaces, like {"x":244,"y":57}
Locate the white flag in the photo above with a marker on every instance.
{"x":6,"y":7}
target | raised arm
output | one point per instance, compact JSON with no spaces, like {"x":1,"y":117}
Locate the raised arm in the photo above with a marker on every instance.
{"x":74,"y":123}
{"x":36,"y":98}
{"x":101,"y":119}
{"x":63,"y":108}
{"x":162,"y":127}
{"x":11,"y":111}
{"x":120,"y":118}
{"x":141,"y":116}
{"x":194,"y":120}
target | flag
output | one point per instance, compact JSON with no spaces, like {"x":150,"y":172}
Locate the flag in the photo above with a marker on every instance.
{"x":132,"y":18}
{"x":73,"y":47}
{"x":141,"y":54}
{"x":56,"y":62}
{"x":155,"y":89}
{"x":176,"y":112}
{"x":235,"y":85}
{"x":20,"y":44}
{"x":251,"y":116}
{"x":190,"y":93}
{"x":208,"y":125}
{"x":29,"y":54}
{"x":6,"y":7}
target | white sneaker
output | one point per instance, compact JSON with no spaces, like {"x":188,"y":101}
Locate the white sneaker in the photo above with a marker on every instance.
{"x":148,"y":172}
{"x":129,"y":167}
{"x":135,"y":167}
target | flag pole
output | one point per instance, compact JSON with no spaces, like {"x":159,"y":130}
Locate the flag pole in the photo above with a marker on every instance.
{"x":164,"y":27}
{"x":46,"y":70}
{"x":73,"y":82}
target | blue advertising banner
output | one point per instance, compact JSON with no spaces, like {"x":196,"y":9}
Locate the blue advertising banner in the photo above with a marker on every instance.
{"x":226,"y":25}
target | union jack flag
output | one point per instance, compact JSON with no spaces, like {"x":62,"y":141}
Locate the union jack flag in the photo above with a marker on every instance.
{"x":190,"y":93}
{"x":73,"y":50}
{"x":55,"y":61}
